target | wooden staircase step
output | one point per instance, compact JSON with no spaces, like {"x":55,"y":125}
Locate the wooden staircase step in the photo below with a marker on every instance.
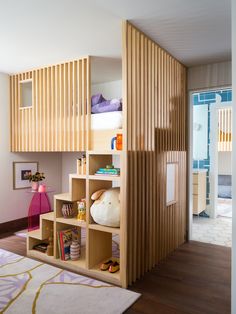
{"x":47,"y":216}
{"x":63,"y":197}
{"x":36,"y":234}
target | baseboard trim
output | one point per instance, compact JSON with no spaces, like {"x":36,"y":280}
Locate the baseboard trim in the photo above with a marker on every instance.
{"x":14,"y":225}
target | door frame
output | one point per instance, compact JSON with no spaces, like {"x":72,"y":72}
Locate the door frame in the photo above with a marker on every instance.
{"x":190,"y":153}
{"x":214,"y":154}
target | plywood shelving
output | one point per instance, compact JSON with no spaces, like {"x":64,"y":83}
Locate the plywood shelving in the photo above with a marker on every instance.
{"x":104,"y":178}
{"x":71,"y":221}
{"x":98,"y":240}
{"x":98,"y":227}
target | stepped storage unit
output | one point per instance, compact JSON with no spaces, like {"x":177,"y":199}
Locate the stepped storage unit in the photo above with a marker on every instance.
{"x":154,"y":132}
{"x":96,"y":245}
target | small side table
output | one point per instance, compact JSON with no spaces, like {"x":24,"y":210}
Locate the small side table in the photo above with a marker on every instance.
{"x":39,"y":204}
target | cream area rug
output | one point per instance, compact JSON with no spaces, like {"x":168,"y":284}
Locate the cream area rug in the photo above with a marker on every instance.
{"x":28,"y":286}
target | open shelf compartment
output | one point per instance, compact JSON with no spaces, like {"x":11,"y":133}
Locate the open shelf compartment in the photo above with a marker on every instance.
{"x":103,"y":246}
{"x":81,"y":262}
{"x":97,"y":161}
{"x":95,"y":185}
{"x":40,"y":236}
{"x":77,"y":187}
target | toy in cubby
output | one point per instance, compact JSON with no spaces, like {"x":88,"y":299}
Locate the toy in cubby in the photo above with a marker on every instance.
{"x":81,"y":210}
{"x":75,"y":250}
{"x":69,"y":239}
{"x":67,"y":210}
{"x":106,"y":207}
{"x":81,"y":165}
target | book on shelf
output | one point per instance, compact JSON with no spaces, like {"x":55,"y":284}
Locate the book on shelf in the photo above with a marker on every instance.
{"x":111,"y":170}
{"x":107,"y":174}
{"x":64,"y":238}
{"x":59,"y":244}
{"x":106,"y":171}
{"x":41,"y":247}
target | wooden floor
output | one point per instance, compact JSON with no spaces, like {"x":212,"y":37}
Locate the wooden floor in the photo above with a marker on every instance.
{"x":195,"y":279}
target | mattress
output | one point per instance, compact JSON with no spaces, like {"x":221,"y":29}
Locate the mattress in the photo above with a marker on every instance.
{"x":106,"y":120}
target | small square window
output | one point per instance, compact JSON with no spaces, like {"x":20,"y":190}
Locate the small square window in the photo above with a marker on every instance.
{"x":26,"y":98}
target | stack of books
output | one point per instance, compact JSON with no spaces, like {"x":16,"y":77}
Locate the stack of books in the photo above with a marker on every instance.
{"x":41,"y":247}
{"x":64,"y":240}
{"x":108,"y":171}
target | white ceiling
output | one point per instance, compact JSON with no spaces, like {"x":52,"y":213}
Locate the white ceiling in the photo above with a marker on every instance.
{"x":35,"y":33}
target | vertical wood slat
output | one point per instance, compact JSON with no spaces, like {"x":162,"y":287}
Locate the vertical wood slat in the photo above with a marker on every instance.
{"x":79,"y":102}
{"x":57,"y":120}
{"x":225,"y":129}
{"x":155,"y":95}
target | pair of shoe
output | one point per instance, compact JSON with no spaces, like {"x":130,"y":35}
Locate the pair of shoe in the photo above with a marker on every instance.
{"x":111,"y":266}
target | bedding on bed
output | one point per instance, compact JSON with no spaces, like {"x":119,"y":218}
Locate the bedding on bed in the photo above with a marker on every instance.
{"x":100,"y":105}
{"x":106,"y":120}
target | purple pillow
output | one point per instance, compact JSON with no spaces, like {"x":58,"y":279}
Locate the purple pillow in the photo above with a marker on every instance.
{"x":96,"y":99}
{"x":107,"y":106}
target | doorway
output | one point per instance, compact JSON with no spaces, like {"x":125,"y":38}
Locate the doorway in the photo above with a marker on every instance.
{"x":211,"y":210}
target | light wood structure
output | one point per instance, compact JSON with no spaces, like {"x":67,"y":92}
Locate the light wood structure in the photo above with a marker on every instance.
{"x":154,"y":134}
{"x":199,"y":192}
{"x":58,"y":117}
{"x":98,"y":241}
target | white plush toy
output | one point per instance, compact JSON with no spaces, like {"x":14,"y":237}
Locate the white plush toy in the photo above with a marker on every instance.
{"x":106,"y":207}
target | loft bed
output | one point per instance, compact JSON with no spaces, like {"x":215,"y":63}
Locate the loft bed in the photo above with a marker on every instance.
{"x":47,"y":120}
{"x":153,"y":86}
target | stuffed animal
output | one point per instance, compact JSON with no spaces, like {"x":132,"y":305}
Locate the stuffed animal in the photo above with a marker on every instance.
{"x":106,"y":207}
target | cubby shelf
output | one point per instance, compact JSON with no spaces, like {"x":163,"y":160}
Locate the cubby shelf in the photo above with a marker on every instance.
{"x":71,"y":221}
{"x":41,"y":256}
{"x":80,"y":263}
{"x":78,"y":176}
{"x":74,"y":264}
{"x":104,"y":228}
{"x":48,"y":216}
{"x":108,"y":152}
{"x":35,"y":234}
{"x":98,"y":242}
{"x":106,"y":275}
{"x":104,"y":178}
{"x":63,"y":197}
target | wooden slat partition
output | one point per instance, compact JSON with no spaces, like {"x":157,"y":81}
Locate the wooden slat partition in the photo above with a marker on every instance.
{"x":225,"y":130}
{"x":57,"y":119}
{"x":155,"y":132}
